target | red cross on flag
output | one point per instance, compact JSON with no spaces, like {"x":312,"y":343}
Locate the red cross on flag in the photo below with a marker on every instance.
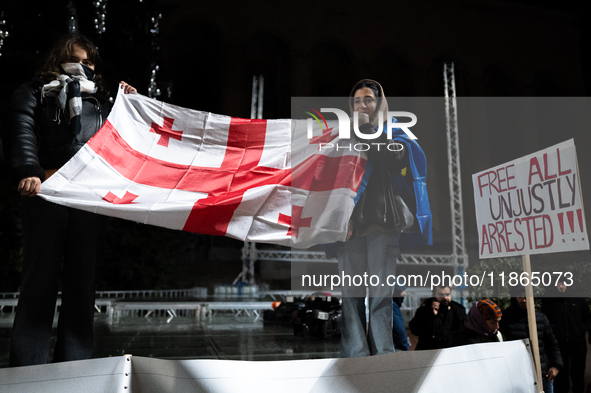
{"x":257,"y":180}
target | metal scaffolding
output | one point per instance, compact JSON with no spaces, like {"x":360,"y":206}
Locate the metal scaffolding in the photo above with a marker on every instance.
{"x":249,"y":252}
{"x":459,"y":255}
{"x":319,"y":256}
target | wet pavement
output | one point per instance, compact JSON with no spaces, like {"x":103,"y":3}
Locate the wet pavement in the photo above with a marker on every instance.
{"x":225,"y":336}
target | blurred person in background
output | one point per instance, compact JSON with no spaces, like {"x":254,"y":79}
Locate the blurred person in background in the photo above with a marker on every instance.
{"x":482,"y":324}
{"x":515,"y":326}
{"x":437,"y":320}
{"x":570,"y":319}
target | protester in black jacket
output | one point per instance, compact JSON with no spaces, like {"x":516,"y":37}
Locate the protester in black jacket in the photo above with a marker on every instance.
{"x":50,"y":119}
{"x":437,"y":320}
{"x":514,"y":326}
{"x":570,"y":318}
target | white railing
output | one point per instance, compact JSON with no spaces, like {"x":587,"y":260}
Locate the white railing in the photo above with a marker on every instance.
{"x":8,"y":300}
{"x":153,"y":293}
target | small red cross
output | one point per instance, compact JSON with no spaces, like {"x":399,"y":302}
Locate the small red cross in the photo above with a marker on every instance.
{"x":114,"y":199}
{"x":166,"y":132}
{"x":298,"y":221}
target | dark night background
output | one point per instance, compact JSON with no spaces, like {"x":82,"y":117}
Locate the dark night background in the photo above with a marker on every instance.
{"x":208,"y":53}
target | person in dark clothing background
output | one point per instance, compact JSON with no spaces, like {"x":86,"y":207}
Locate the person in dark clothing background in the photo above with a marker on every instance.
{"x":514,"y":326}
{"x":50,"y":119}
{"x":570,"y":318}
{"x":437,"y":320}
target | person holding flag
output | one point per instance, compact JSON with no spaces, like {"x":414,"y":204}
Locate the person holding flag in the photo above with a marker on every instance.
{"x":50,"y":119}
{"x":391,"y":210}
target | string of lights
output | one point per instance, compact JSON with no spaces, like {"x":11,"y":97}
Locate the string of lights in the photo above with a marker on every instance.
{"x":3,"y":31}
{"x":154,"y":31}
{"x":73,"y":20}
{"x":101,"y":16}
{"x":153,"y":90}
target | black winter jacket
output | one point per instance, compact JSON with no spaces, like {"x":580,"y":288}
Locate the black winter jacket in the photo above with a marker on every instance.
{"x":436,"y":331}
{"x":469,"y":336}
{"x":376,"y":206}
{"x":570,"y":318}
{"x":39,"y":137}
{"x":515,"y":327}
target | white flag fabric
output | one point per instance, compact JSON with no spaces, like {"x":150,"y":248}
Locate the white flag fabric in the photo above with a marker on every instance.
{"x":257,"y":180}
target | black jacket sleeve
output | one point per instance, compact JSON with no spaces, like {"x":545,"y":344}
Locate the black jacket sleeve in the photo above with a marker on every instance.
{"x":459,"y":316}
{"x":20,"y":141}
{"x":423,"y":321}
{"x":551,"y":347}
{"x":586,"y":316}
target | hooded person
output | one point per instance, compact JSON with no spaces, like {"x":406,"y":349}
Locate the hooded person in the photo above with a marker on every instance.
{"x":404,"y":161}
{"x":482,"y":324}
{"x":387,"y":204}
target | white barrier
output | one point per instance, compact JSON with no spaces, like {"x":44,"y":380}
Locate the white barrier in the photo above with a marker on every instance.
{"x":482,"y":368}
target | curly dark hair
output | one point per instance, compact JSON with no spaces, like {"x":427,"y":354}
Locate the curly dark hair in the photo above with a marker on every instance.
{"x":61,"y":53}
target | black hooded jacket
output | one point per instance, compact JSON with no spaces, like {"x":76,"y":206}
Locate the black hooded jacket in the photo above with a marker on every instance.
{"x":436,"y":331}
{"x":514,"y":326}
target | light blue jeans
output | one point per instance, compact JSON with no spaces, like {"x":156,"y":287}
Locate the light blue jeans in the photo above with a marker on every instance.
{"x":369,"y":261}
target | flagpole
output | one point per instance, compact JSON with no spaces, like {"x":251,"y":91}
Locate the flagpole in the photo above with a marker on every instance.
{"x":531,"y":318}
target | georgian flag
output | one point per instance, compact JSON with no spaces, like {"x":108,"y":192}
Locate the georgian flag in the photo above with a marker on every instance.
{"x":256,"y":180}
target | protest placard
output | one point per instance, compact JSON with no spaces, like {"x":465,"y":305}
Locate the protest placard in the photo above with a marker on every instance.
{"x":532,"y":205}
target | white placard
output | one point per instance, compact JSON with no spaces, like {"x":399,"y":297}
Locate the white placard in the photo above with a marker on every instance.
{"x":532,"y":205}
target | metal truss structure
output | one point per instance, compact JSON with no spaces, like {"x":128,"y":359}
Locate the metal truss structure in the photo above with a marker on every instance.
{"x":459,"y":255}
{"x":249,"y":255}
{"x":319,"y":256}
{"x":458,"y":259}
